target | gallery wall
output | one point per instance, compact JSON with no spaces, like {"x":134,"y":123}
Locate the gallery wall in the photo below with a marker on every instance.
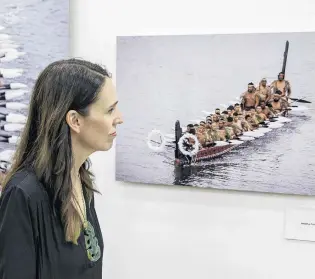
{"x":154,"y":231}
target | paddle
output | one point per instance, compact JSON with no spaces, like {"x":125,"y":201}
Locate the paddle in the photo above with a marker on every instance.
{"x":300,"y":100}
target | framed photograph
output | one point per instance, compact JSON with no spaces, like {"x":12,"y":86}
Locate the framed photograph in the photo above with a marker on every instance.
{"x":33,"y":33}
{"x":232,"y":111}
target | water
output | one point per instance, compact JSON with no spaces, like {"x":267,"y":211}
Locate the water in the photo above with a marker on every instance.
{"x":40,"y":28}
{"x":167,"y":78}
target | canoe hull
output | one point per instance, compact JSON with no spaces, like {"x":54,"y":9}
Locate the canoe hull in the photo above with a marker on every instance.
{"x":206,"y":154}
{"x":214,"y":152}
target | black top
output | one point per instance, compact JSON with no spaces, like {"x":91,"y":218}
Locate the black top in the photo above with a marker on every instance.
{"x":32,"y":241}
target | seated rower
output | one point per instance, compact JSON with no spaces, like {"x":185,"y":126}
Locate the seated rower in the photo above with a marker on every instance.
{"x":234,"y":130}
{"x":224,"y":115}
{"x":230,"y":111}
{"x":246,"y":126}
{"x":202,"y":124}
{"x":260,"y":116}
{"x":237,"y":124}
{"x":214,"y":133}
{"x":189,"y":127}
{"x":277,"y":103}
{"x":209,"y":139}
{"x":266,"y":110}
{"x":238,"y":109}
{"x":254,"y":119}
{"x":217,"y":111}
{"x":209,"y":120}
{"x":201,"y":134}
{"x":251,"y":122}
{"x":215,"y":120}
{"x":223,"y":132}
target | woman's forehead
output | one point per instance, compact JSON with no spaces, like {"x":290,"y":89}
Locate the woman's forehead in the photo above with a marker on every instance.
{"x":107,"y":95}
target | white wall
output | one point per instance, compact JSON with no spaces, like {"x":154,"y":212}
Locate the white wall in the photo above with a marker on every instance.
{"x":180,"y":232}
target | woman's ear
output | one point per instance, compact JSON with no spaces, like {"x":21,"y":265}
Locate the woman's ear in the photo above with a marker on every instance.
{"x":73,"y":120}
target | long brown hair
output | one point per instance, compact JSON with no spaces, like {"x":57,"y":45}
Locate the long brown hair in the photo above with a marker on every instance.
{"x":45,"y":143}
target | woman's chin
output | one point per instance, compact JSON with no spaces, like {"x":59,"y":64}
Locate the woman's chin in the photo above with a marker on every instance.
{"x":107,"y":146}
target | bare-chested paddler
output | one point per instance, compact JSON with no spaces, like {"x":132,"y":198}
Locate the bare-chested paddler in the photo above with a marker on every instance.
{"x":266,"y":110}
{"x":237,"y":123}
{"x":215,"y":120}
{"x":278,"y":104}
{"x":246,"y":126}
{"x":209,"y":135}
{"x":217,"y":111}
{"x":283,"y":85}
{"x":224,"y":115}
{"x":250,"y":123}
{"x":253,"y":119}
{"x":201,"y":134}
{"x":230,"y":111}
{"x":249,"y":97}
{"x":223,"y":131}
{"x":260,"y":116}
{"x":234,"y":130}
{"x":263,"y":92}
{"x":238,"y":109}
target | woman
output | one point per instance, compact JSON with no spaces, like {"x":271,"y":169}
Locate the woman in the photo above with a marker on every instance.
{"x":48,"y":224}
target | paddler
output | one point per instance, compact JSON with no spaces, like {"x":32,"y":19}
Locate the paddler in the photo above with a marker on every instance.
{"x":215,"y":136}
{"x":209,"y":119}
{"x":260,"y":116}
{"x":233,"y":130}
{"x":254,"y":118}
{"x":201,"y":134}
{"x":282,"y":85}
{"x":277,"y":103}
{"x":249,"y":97}
{"x":223,"y":132}
{"x":217,"y":111}
{"x":215,"y":120}
{"x":263,"y":92}
{"x":230,"y":111}
{"x":253,"y":121}
{"x":208,"y":133}
{"x":266,"y":111}
{"x":246,"y":126}
{"x":238,"y":109}
{"x":224,"y":115}
{"x":237,"y":123}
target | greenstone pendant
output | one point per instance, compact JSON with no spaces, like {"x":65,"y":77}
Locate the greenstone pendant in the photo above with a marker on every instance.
{"x":91,"y":243}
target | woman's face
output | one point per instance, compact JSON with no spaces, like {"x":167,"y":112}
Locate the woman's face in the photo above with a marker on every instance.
{"x":98,"y":128}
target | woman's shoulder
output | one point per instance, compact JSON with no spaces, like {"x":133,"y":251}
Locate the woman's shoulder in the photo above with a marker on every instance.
{"x":26,"y":183}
